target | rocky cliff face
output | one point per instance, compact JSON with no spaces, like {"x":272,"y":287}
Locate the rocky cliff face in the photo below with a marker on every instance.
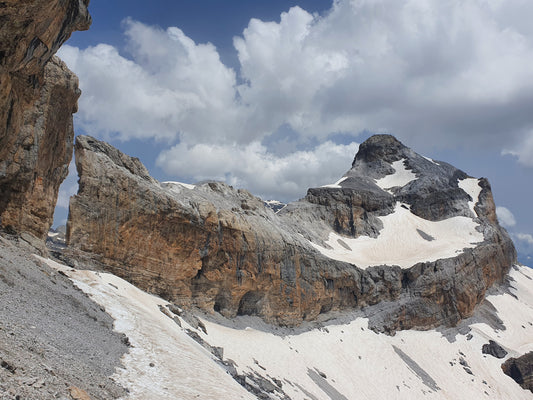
{"x":38,"y":95}
{"x":521,"y":370}
{"x":221,"y":249}
{"x":395,"y":206}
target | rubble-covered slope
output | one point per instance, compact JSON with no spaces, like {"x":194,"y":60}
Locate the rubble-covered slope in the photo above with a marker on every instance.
{"x":53,"y":339}
{"x":417,"y":237}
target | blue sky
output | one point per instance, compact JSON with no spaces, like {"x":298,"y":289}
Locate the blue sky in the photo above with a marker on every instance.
{"x":275,"y":96}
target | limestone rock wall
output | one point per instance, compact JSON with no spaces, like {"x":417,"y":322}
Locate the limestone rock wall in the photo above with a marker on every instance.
{"x":213,"y":247}
{"x":221,"y":249}
{"x":38,"y":95}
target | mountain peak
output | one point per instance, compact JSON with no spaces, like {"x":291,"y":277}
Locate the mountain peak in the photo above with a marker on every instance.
{"x":380,"y":147}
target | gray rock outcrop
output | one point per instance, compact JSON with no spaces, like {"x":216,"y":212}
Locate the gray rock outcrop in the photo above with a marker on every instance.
{"x":494,"y":349}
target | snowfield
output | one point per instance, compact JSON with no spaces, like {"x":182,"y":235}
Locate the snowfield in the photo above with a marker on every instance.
{"x":177,"y":185}
{"x":343,"y":360}
{"x":471,"y":188}
{"x":401,"y":177}
{"x":182,"y":369}
{"x":405,"y":240}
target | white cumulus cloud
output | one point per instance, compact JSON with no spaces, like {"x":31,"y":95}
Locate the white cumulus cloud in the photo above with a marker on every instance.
{"x":506,"y":217}
{"x":524,"y":237}
{"x":453,"y":70}
{"x":68,"y":188}
{"x":523,"y":243}
{"x":255,"y":168}
{"x":168,"y":87}
{"x":435,"y":73}
{"x":522,"y":151}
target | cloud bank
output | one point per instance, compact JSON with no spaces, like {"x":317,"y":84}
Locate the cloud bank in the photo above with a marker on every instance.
{"x":258,"y":170}
{"x":441,"y":74}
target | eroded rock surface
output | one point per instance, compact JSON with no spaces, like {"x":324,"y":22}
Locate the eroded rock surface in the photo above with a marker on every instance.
{"x":38,"y":95}
{"x":221,"y":249}
{"x":521,"y":370}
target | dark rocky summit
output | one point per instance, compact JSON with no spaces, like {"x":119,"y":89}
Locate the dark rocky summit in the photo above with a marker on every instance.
{"x":521,"y":370}
{"x":38,"y":95}
{"x":222,"y":250}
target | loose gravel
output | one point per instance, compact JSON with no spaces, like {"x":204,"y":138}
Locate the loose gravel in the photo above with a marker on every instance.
{"x":55,"y":343}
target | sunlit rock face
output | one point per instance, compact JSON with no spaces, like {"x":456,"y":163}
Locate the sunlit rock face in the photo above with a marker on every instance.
{"x":411,"y":241}
{"x":38,"y":95}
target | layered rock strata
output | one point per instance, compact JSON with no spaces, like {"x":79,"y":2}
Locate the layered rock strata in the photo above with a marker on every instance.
{"x":220,"y":249}
{"x":521,"y":370}
{"x":38,"y":95}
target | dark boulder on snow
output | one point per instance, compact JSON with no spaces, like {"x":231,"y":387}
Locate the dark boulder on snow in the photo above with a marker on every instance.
{"x":494,"y":349}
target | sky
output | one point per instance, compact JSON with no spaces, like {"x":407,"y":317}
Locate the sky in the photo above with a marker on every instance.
{"x":275,"y":96}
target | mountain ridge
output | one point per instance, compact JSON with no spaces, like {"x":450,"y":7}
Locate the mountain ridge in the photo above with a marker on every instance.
{"x":220,"y":249}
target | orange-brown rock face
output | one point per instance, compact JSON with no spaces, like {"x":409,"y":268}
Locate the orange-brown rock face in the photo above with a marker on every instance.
{"x":221,"y":249}
{"x":38,"y":95}
{"x":213,"y":246}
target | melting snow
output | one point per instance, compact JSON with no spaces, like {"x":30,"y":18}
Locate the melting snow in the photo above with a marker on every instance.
{"x":336,"y":185}
{"x":360,"y":364}
{"x":340,"y":361}
{"x":404,"y":241}
{"x":274,"y":202}
{"x":431,"y":160}
{"x":471,"y":187}
{"x":401,"y":177}
{"x":171,"y":185}
{"x":182,"y":369}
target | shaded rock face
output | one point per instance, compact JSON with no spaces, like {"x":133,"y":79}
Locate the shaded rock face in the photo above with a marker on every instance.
{"x":521,"y":370}
{"x":38,"y":95}
{"x":223,"y":250}
{"x":494,"y":349}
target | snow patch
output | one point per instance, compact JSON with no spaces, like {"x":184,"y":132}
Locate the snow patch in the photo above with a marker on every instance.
{"x":274,"y":203}
{"x":471,"y":187}
{"x":431,"y":160}
{"x":401,"y":177}
{"x":172,"y":185}
{"x":401,"y":243}
{"x":336,"y":185}
{"x":163,"y":362}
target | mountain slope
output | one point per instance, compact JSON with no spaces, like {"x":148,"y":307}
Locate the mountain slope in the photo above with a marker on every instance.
{"x":336,"y":359}
{"x":398,"y":229}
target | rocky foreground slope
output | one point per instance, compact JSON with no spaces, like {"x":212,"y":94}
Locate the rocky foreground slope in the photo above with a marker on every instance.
{"x":415,"y":238}
{"x":175,"y":354}
{"x":38,"y":95}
